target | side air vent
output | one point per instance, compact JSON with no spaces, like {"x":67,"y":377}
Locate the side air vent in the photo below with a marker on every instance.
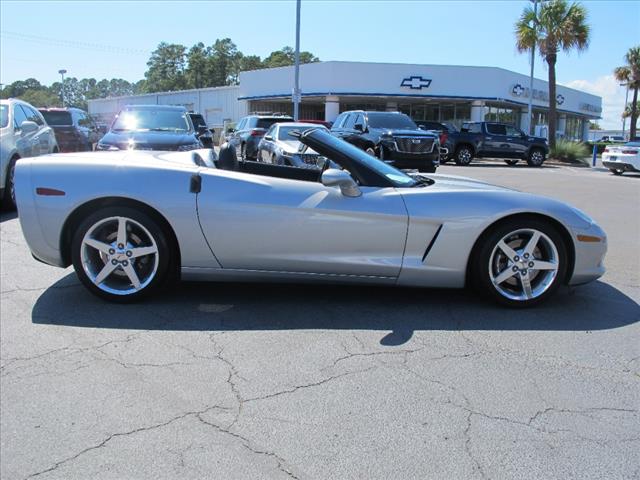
{"x":433,"y":240}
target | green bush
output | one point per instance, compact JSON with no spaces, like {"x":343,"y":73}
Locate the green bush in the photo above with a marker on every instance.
{"x":568,"y":151}
{"x":600,"y":146}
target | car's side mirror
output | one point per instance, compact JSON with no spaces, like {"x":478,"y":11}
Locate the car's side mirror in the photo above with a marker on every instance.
{"x":28,"y":126}
{"x":268,"y":138}
{"x":359,"y":127}
{"x":333,"y":177}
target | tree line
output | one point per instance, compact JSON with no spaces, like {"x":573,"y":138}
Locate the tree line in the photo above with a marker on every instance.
{"x":171,"y":66}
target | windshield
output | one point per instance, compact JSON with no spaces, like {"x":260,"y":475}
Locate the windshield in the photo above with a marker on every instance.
{"x":159,"y":120}
{"x":4,"y":115}
{"x":57,"y":118}
{"x":395,"y":176}
{"x":198,"y":121}
{"x":390,"y":120}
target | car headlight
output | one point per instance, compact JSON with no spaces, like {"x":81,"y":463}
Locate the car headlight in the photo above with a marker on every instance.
{"x":106,"y":147}
{"x":188,"y":146}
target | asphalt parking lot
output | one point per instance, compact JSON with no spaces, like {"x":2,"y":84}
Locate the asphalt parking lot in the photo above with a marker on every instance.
{"x":290,"y":381}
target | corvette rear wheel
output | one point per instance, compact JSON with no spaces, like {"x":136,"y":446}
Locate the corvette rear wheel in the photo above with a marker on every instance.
{"x":120,"y":254}
{"x":520,"y":263}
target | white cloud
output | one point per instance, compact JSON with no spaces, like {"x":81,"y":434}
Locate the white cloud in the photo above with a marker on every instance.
{"x":612,"y":95}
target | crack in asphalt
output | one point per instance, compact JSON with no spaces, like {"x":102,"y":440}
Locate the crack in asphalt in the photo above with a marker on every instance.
{"x":246,"y":443}
{"x":104,"y":442}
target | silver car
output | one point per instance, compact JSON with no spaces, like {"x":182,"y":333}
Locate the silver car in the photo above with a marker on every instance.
{"x":280,"y":148}
{"x":198,"y":217}
{"x":23,"y":133}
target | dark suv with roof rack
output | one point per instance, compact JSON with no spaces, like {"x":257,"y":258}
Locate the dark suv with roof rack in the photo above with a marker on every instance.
{"x":390,"y":136}
{"x":248,"y":132}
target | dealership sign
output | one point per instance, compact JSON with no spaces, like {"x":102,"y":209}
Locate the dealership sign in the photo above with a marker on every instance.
{"x":416,"y":82}
{"x":519,"y":91}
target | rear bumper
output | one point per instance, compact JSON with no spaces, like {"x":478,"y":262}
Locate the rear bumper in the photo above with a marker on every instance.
{"x":627,"y":167}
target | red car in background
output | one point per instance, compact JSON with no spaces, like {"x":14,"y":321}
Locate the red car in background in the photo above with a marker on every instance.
{"x":75,"y":130}
{"x":318,"y":122}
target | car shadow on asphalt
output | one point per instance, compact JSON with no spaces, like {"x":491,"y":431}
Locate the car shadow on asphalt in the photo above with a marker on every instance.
{"x":400,"y":311}
{"x":7,"y":215}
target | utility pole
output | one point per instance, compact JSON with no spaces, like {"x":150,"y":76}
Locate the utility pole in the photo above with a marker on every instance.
{"x":296,"y":89}
{"x":62,"y":72}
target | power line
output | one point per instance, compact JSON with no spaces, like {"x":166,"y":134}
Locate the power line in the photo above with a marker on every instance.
{"x":72,"y":43}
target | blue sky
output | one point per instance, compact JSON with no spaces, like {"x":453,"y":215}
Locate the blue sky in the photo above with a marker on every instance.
{"x":114,"y":39}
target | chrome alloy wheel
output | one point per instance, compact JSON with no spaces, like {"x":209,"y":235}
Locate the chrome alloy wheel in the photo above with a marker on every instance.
{"x":119,"y":255}
{"x":523,"y":264}
{"x":537,"y":157}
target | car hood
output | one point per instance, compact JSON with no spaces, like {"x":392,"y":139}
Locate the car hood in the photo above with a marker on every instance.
{"x":148,"y":140}
{"x":412,"y":133}
{"x":454,"y":182}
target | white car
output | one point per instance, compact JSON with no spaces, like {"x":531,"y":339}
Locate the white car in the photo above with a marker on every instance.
{"x":622,"y":158}
{"x":23,"y":133}
{"x":280,"y":148}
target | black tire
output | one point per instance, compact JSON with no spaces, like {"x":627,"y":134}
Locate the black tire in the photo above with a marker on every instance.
{"x":9,"y":200}
{"x":165,"y":264}
{"x":616,"y":171}
{"x":511,"y":163}
{"x":464,"y":155}
{"x":431,"y":169}
{"x":55,"y":150}
{"x":487,"y":252}
{"x":535,"y":157}
{"x":243,"y":152}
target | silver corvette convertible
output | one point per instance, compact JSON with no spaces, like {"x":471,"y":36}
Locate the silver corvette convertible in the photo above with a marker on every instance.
{"x":131,"y":221}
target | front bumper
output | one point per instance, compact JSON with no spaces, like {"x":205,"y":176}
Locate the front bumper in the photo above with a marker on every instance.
{"x":412,"y":160}
{"x":589,"y":255}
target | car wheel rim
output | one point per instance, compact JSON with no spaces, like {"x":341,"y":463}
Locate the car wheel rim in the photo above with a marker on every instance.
{"x":12,"y":185}
{"x":523,"y":264}
{"x":464,"y":156}
{"x":536,"y":158}
{"x":119,"y":255}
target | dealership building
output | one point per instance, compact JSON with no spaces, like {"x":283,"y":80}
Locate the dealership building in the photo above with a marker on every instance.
{"x":445,"y":93}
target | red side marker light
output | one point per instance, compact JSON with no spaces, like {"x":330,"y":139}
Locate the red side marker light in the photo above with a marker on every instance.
{"x":49,"y":192}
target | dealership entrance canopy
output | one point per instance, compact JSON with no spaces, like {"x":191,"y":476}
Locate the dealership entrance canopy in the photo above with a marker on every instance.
{"x":444,"y":93}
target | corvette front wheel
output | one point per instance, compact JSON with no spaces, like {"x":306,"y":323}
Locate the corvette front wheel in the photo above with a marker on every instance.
{"x":520,"y":263}
{"x":120,"y":254}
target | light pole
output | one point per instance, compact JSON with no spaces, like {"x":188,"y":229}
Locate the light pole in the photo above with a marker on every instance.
{"x":62,"y":72}
{"x":533,"y":58}
{"x":296,"y":88}
{"x":626,"y":101}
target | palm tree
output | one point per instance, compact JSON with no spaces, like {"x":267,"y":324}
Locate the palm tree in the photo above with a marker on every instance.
{"x":558,"y":26}
{"x":630,"y":74}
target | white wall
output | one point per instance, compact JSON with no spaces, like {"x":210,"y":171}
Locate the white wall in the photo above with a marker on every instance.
{"x":216,"y":104}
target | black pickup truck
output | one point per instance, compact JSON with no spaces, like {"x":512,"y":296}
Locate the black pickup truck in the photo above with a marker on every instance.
{"x":495,"y":140}
{"x":390,"y":136}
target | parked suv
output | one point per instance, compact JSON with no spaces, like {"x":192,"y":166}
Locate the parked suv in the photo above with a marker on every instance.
{"x":74,"y":128}
{"x":151,"y":127}
{"x":247,"y":134}
{"x":496,"y":140}
{"x":23,"y":133}
{"x":390,"y":136}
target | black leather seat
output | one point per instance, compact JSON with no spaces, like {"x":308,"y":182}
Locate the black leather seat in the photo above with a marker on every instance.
{"x":227,"y":158}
